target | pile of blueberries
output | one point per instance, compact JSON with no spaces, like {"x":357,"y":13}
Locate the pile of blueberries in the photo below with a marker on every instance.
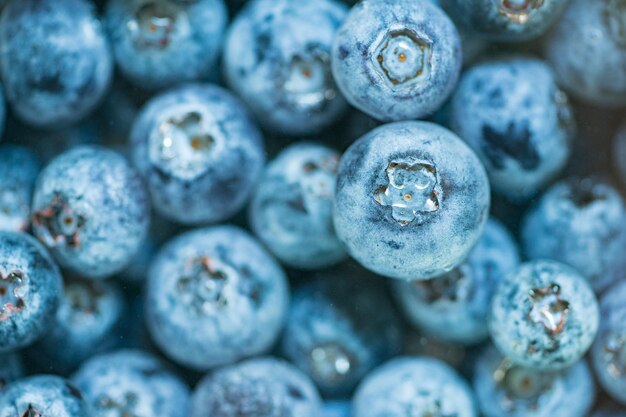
{"x":312,"y":208}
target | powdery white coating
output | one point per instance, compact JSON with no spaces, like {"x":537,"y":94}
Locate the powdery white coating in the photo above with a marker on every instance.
{"x":159,"y":43}
{"x":42,"y":395}
{"x":411,"y":200}
{"x":91,"y":210}
{"x":336,"y":409}
{"x":506,"y":390}
{"x":581,"y":223}
{"x":11,"y":368}
{"x":396,"y":59}
{"x":587,"y":51}
{"x":544,"y":316}
{"x":511,"y":113}
{"x":260,"y":387}
{"x":215,"y":296}
{"x":131,"y":383}
{"x":455,"y":307}
{"x":199,"y":152}
{"x":54,"y":60}
{"x":291,"y":210}
{"x":277,"y":58}
{"x":18,"y":171}
{"x":619,"y":152}
{"x":413,"y":386}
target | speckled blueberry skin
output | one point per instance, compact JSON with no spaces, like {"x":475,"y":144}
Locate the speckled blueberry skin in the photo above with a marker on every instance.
{"x":54,"y":60}
{"x":340,"y":327}
{"x":396,"y":59}
{"x":511,"y":113}
{"x":336,"y":409}
{"x":506,"y":20}
{"x":30,"y":290}
{"x":91,"y":210}
{"x":544,"y":316}
{"x":277,"y":58}
{"x":582,"y":223}
{"x":159,"y":43}
{"x":18,"y":171}
{"x":507,"y":390}
{"x":587,"y":51}
{"x":131,"y":383}
{"x":215,"y":296}
{"x":411,"y":200}
{"x":413,"y":386}
{"x":291,"y":210}
{"x":455,"y":307}
{"x":199,"y":152}
{"x":11,"y":368}
{"x":260,"y":387}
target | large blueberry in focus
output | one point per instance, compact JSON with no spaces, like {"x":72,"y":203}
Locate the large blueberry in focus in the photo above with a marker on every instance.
{"x":19,"y":168}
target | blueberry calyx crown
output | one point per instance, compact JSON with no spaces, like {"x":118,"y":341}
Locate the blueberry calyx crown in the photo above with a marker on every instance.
{"x":518,"y":11}
{"x":331,"y":362}
{"x":614,"y":354}
{"x":153,"y":24}
{"x":58,"y":224}
{"x":451,"y":287}
{"x":31,"y":411}
{"x":12,"y":293}
{"x":521,"y":384}
{"x":548,"y":309}
{"x":125,"y":408}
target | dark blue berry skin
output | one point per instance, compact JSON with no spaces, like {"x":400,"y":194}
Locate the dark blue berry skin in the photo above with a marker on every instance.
{"x":411,"y":200}
{"x":54,"y":59}
{"x":340,"y":327}
{"x":11,"y":368}
{"x":131,"y":383}
{"x":511,"y":113}
{"x":42,"y":395}
{"x":91,"y":210}
{"x":18,"y":171}
{"x":199,"y":152}
{"x":159,"y":43}
{"x":396,"y":59}
{"x":30,"y":290}
{"x":336,"y":409}
{"x":257,"y":387}
{"x":277,"y":58}
{"x":215,"y":296}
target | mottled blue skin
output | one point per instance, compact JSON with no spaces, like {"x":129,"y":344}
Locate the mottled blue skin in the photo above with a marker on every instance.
{"x":43,"y":395}
{"x":131,"y":383}
{"x":413,"y":386}
{"x":581,"y":223}
{"x":260,"y":387}
{"x":291,"y":209}
{"x":18,"y":171}
{"x":339,"y":328}
{"x":506,"y":390}
{"x":362,"y":69}
{"x":439,"y":236}
{"x":544,"y":316}
{"x":91,"y":210}
{"x":215,"y":296}
{"x":455,"y":307}
{"x":86,"y":323}
{"x":31,"y":290}
{"x":511,"y":113}
{"x":204,"y":185}
{"x":336,"y":409}
{"x":11,"y":368}
{"x":185,"y":50}
{"x":277,"y":58}
{"x":587,"y":51}
{"x":54,"y":60}
{"x":504,"y":20}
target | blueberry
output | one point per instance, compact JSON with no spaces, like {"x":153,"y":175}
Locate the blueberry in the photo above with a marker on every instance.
{"x":30,"y":290}
{"x":199,"y":152}
{"x":544,"y":316}
{"x":455,"y":306}
{"x":336,"y":409}
{"x":396,"y":59}
{"x":129,"y":383}
{"x":90,"y":209}
{"x":504,"y":389}
{"x":159,"y":43}
{"x":413,"y":386}
{"x":259,"y":387}
{"x":411,"y":200}
{"x":510,"y":111}
{"x":11,"y":368}
{"x":215,"y":296}
{"x":291,"y":210}
{"x":277,"y":58}
{"x":340,"y":327}
{"x":18,"y":171}
{"x":55,"y":60}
